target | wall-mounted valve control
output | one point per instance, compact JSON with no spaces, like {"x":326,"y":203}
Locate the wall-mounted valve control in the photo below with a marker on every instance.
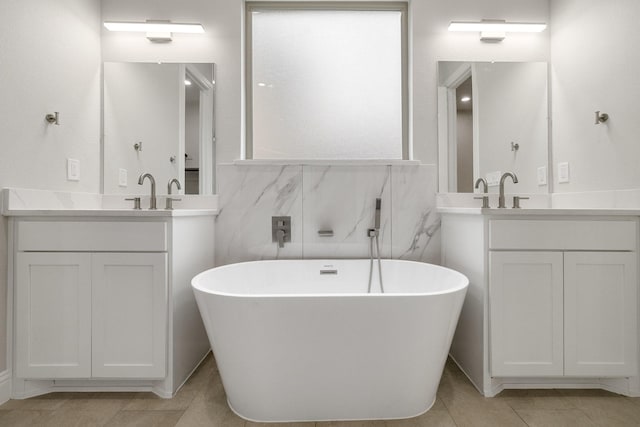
{"x":281,"y":230}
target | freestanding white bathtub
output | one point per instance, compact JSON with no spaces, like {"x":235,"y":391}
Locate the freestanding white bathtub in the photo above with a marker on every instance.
{"x":293,"y":344}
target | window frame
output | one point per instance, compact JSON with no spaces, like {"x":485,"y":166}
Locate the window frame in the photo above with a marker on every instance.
{"x":253,"y":6}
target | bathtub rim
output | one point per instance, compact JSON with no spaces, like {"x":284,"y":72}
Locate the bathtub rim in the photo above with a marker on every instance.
{"x":458,"y":287}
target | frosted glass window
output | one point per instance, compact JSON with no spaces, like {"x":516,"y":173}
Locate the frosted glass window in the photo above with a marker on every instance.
{"x":326,"y":84}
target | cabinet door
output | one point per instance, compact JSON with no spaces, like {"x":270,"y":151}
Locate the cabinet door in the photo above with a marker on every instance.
{"x":600,"y":313}
{"x":525,"y":306}
{"x":53,"y":315}
{"x":129,"y":315}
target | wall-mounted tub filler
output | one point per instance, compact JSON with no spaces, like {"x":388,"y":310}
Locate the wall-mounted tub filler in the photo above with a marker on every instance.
{"x":373,"y":234}
{"x":281,"y":230}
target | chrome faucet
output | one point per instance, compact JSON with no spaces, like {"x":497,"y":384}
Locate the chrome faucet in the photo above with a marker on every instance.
{"x":485,"y":191}
{"x":152,"y":203}
{"x":170,"y":200}
{"x":504,"y":176}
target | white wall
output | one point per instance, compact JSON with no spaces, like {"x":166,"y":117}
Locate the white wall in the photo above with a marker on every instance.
{"x":595,"y":66}
{"x":222,"y":44}
{"x":49,"y":61}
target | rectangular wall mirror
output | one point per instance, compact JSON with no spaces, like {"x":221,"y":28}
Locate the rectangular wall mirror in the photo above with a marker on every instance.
{"x":158,"y":118}
{"x":493,"y":118}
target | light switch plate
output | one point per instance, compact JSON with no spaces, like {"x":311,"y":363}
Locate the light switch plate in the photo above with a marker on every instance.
{"x":542,"y":175}
{"x":493,"y":178}
{"x":73,"y":170}
{"x":563,"y":172}
{"x":122,"y":177}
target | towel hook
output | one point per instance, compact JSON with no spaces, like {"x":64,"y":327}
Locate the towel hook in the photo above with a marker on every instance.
{"x":53,"y":119}
{"x":601,"y":117}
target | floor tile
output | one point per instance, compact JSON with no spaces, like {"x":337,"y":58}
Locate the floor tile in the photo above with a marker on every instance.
{"x":555,"y":418}
{"x":351,"y":424}
{"x":535,"y":399}
{"x":432,"y":418}
{"x":179,"y":402}
{"x":608,"y":411}
{"x":252,"y":424}
{"x":85,"y":412}
{"x":459,"y":394}
{"x":23,"y":417}
{"x":145,"y":419}
{"x":474,"y":417}
{"x":202,"y":401}
{"x":204,"y":411}
{"x":34,"y":403}
{"x":635,"y":400}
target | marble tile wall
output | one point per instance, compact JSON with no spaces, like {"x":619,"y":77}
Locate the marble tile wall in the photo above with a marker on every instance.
{"x":339,"y":198}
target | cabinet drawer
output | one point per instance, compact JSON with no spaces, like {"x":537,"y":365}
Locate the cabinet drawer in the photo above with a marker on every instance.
{"x":111,"y":236}
{"x":562,"y":235}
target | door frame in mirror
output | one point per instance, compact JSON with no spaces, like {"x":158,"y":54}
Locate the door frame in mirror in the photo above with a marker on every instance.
{"x":206,"y":182}
{"x":447,"y":131}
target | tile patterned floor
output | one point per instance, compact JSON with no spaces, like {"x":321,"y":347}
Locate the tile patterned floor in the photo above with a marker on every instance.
{"x":202,"y":402}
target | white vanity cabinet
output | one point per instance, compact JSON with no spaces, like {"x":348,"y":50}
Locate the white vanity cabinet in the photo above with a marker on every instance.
{"x":102,"y":300}
{"x":129,"y":315}
{"x":568,"y":305}
{"x":526,"y":313}
{"x":53,"y":315}
{"x":552,"y":302}
{"x":90,"y":314}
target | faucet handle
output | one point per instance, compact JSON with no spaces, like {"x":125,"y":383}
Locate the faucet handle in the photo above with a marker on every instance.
{"x":516,"y":201}
{"x":170,"y":200}
{"x":136,"y":202}
{"x":485,"y":201}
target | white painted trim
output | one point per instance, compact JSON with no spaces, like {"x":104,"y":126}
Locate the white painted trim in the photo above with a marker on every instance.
{"x":5,"y":386}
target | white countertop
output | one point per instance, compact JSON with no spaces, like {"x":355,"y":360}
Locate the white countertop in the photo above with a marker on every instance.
{"x":539,"y":211}
{"x":30,"y":202}
{"x":142,"y":213}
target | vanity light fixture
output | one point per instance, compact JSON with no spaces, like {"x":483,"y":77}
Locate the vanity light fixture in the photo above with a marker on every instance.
{"x":465,"y":99}
{"x":495,"y":30}
{"x":157,"y":31}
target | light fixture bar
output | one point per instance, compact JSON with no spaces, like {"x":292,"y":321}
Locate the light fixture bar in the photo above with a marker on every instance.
{"x":154,"y":27}
{"x":498,"y":27}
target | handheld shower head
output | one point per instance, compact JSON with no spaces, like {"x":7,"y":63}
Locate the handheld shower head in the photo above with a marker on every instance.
{"x":377,"y":217}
